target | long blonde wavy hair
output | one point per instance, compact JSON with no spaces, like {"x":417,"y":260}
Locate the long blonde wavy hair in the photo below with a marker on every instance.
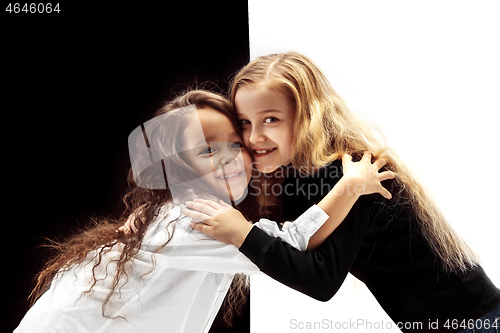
{"x":325,"y":129}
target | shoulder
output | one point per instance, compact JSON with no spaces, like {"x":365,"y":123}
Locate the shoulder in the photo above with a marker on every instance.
{"x":171,"y":224}
{"x":168,"y":217}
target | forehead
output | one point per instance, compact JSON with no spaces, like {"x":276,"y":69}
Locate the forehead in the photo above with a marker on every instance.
{"x":258,"y":97}
{"x":215,"y":127}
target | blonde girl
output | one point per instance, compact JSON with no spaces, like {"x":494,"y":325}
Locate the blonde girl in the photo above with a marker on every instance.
{"x":168,"y":277}
{"x":404,"y":250}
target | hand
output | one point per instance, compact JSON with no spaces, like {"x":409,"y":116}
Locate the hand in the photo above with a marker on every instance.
{"x":364,"y":178}
{"x":130,"y":224}
{"x":218,"y":220}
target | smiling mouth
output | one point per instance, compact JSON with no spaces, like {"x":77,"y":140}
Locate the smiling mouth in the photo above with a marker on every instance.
{"x":262,"y":152}
{"x":230,"y":175}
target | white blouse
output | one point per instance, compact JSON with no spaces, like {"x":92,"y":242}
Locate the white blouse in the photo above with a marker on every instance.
{"x":178,"y":288}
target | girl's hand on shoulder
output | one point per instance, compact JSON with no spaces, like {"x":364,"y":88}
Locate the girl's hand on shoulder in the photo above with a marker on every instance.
{"x":363,"y":177}
{"x":218,"y":220}
{"x":130,"y":225}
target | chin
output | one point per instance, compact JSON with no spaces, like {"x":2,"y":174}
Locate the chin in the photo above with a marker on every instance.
{"x":268,"y":168}
{"x":240,"y":195}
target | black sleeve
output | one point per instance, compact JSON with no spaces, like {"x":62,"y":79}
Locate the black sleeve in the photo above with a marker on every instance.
{"x":319,"y":273}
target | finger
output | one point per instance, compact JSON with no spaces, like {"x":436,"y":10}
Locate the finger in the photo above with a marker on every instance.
{"x":386,"y":175}
{"x":209,"y":203}
{"x":225,"y":204}
{"x":202,"y":208}
{"x":367,"y":156}
{"x":197,"y":216}
{"x":386,"y":194}
{"x":124,"y":229}
{"x":379,"y":163}
{"x":346,"y":159}
{"x":139,"y":214}
{"x":132,"y":226}
{"x":199,"y":226}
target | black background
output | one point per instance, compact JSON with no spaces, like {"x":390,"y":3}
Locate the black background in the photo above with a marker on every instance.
{"x":74,"y":85}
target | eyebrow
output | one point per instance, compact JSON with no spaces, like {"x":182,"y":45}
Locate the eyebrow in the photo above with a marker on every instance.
{"x":211,"y":138}
{"x":263,"y":111}
{"x":200,"y":143}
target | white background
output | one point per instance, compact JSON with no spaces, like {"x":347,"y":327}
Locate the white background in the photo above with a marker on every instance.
{"x":427,"y":72}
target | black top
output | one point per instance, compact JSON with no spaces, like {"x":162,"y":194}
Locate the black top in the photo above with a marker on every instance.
{"x":381,"y":244}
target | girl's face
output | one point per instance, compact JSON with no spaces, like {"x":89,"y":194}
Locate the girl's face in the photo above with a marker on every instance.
{"x":221,"y":159}
{"x":266,"y":117}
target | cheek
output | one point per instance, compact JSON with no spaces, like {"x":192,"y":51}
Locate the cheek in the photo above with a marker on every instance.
{"x":287,"y":139}
{"x":204,"y":166}
{"x":245,"y":135}
{"x":209,"y":180}
{"x":289,"y":145}
{"x":247,"y":160}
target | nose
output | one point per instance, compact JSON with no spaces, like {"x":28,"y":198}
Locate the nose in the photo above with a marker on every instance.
{"x":227,"y":160}
{"x":228,"y":154}
{"x":257,"y":135}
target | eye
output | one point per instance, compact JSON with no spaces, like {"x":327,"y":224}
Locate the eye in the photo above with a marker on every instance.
{"x":244,"y":122}
{"x":207,"y":151}
{"x":270,"y":120}
{"x":236,"y":145}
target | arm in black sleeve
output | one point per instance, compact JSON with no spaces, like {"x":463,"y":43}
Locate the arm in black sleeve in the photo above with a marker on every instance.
{"x":319,"y":273}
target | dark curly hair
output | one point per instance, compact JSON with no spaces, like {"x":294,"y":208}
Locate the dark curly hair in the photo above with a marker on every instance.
{"x":140,"y":204}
